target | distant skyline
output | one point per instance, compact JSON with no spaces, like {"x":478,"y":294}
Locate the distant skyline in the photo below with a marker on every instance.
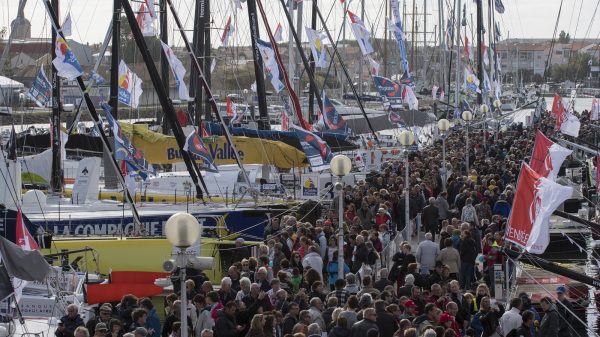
{"x":522,"y":19}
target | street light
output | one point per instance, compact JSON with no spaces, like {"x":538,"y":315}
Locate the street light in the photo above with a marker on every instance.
{"x":406,"y":138}
{"x":183,"y":230}
{"x":443,"y":126}
{"x":498,"y":105}
{"x":484,"y":108}
{"x":340,"y":167}
{"x":467,"y":117}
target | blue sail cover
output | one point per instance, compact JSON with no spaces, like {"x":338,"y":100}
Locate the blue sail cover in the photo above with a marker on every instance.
{"x":396,"y":28}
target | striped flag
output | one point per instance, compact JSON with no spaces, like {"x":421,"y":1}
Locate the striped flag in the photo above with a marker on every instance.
{"x":361,"y":33}
{"x":227,"y":32}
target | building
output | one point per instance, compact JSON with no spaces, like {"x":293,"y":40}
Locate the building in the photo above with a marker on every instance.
{"x":531,"y":55}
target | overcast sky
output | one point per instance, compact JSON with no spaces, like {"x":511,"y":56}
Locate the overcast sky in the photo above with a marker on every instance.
{"x":522,"y":18}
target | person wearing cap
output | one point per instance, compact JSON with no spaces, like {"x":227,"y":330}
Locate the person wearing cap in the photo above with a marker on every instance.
{"x":100,"y":330}
{"x":564,"y":309}
{"x":104,"y":316}
{"x":446,"y":320}
{"x":409,"y":310}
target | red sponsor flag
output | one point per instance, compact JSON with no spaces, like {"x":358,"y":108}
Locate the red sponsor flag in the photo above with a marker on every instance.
{"x":558,"y":111}
{"x":229,"y":107}
{"x":547,"y":156}
{"x":23,"y":237}
{"x":535,"y":200}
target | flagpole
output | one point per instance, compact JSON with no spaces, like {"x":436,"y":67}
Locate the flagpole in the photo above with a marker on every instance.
{"x":263,"y":122}
{"x":458,"y":56}
{"x":479,"y":51}
{"x":311,"y":61}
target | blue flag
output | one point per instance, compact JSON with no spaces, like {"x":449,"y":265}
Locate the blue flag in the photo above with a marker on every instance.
{"x":195,"y":147}
{"x":41,"y":89}
{"x":387,"y":87}
{"x":316,"y":150}
{"x":124,"y":149}
{"x":332,"y":120}
{"x":395,"y":26}
{"x":499,"y":6}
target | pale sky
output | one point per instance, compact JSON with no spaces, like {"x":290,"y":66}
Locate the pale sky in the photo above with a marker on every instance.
{"x":522,"y":19}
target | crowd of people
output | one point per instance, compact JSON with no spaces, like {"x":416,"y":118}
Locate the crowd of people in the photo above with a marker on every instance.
{"x":390,"y":287}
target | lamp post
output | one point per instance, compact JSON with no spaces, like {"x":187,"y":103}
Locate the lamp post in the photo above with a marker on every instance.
{"x":406,"y":139}
{"x":340,"y":167}
{"x":484,"y":108}
{"x":443,"y":126}
{"x":467,"y":117}
{"x":498,"y":105}
{"x":183,"y":230}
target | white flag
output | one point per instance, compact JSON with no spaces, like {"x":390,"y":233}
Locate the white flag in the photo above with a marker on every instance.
{"x":594,"y":110}
{"x":213,"y":65}
{"x":66,"y":26}
{"x":570,"y":125}
{"x":374,"y":66}
{"x":130,"y":86}
{"x":278,"y":33}
{"x":178,"y":72}
{"x":65,"y":61}
{"x":317,"y":41}
{"x":434,"y":91}
{"x":408,"y":96}
{"x":361,"y":33}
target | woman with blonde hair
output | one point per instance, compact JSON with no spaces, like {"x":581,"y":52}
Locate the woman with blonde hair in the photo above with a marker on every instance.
{"x":256,"y":326}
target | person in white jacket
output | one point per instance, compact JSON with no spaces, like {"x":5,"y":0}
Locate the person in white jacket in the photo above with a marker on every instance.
{"x":314,"y":260}
{"x":512,"y":320}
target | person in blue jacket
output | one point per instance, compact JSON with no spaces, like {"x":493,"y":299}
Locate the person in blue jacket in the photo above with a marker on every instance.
{"x":332,"y":270}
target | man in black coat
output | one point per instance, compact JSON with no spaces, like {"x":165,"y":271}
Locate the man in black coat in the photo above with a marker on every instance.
{"x":429,"y":217}
{"x":385,"y":321}
{"x":369,"y":321}
{"x":226,"y":325}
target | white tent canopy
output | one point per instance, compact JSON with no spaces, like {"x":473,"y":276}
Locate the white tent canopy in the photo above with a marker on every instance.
{"x":6,"y":82}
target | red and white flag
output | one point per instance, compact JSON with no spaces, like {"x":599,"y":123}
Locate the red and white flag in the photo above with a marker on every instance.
{"x":361,"y":33}
{"x":285,"y":121}
{"x":230,"y":107}
{"x":535,"y":200}
{"x":468,"y":50}
{"x":23,"y":237}
{"x":408,"y":96}
{"x":594,"y":110}
{"x":434,"y":91}
{"x":374,"y":66}
{"x":566,"y":122}
{"x":227,"y":32}
{"x":547,"y":156}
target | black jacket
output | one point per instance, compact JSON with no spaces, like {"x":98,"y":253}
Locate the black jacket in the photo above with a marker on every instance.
{"x":360,"y":328}
{"x":566,"y":318}
{"x":338,"y":331}
{"x":430,"y":216}
{"x":467,"y":251}
{"x":288,"y":324}
{"x":386,"y":323}
{"x":523,"y":331}
{"x":550,"y":323}
{"x":225,"y":326}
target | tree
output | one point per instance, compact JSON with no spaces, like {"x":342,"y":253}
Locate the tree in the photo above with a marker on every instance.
{"x":129,"y":50}
{"x":564,"y":37}
{"x":577,"y":68}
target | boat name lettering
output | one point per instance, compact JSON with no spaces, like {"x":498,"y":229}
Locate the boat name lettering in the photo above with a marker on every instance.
{"x":219,"y":152}
{"x":154,"y":227}
{"x":518,"y":235}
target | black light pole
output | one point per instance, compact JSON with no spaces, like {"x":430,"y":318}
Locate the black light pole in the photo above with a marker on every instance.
{"x":263,"y":121}
{"x":164,"y":63}
{"x":313,"y":88}
{"x":56,"y":176}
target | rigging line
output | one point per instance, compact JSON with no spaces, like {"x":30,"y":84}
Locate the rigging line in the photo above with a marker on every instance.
{"x":551,"y":295}
{"x":36,"y":196}
{"x":551,"y":51}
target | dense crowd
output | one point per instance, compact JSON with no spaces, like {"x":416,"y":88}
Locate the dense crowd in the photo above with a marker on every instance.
{"x":443,"y":286}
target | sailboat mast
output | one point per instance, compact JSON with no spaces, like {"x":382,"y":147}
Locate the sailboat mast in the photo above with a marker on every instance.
{"x":313,"y":87}
{"x":56,"y":176}
{"x":207,"y":58}
{"x":297,"y":71}
{"x":479,"y":50}
{"x":114,"y":59}
{"x":360,"y":64}
{"x":263,"y":122}
{"x":458,"y":56}
{"x":161,"y":91}
{"x":195,"y":91}
{"x":164,"y":63}
{"x":385,"y":40}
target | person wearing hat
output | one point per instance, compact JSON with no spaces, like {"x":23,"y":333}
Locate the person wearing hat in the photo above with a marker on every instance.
{"x":565,"y":310}
{"x":409,"y":310}
{"x":104,"y":316}
{"x":446,"y":320}
{"x":100,"y":330}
